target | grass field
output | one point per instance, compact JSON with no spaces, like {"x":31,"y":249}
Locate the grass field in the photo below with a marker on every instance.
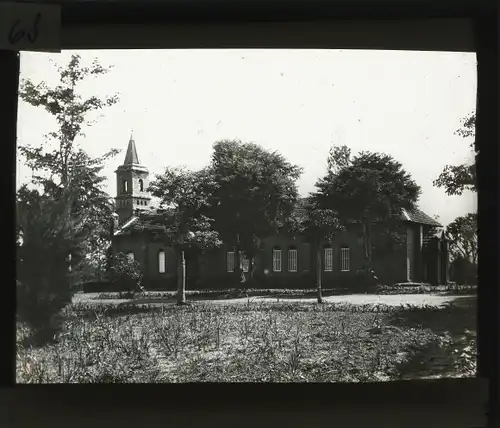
{"x":252,"y":343}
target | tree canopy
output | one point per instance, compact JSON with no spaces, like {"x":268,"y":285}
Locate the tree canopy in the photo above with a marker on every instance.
{"x":255,"y":193}
{"x":456,"y":179}
{"x":366,"y":189}
{"x":462,"y":236}
{"x":187,"y":196}
{"x":67,"y":166}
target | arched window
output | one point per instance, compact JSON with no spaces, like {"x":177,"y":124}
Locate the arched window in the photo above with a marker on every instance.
{"x":345,"y":258}
{"x":161,"y":261}
{"x":230,"y":261}
{"x":276,"y":260}
{"x":124,"y":186}
{"x":328,"y":259}
{"x":141,"y":185}
{"x":292,"y":259}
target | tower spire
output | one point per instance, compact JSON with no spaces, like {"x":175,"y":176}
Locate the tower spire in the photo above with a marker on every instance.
{"x":131,"y":156}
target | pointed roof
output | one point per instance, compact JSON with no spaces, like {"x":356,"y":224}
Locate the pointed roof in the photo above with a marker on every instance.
{"x":131,"y":157}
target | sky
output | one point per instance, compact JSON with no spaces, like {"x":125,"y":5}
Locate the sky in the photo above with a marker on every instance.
{"x":298,"y":102}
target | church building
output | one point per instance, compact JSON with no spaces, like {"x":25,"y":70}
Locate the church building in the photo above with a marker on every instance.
{"x":284,"y":262}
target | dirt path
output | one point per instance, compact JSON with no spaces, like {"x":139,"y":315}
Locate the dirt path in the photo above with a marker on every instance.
{"x":420,"y":300}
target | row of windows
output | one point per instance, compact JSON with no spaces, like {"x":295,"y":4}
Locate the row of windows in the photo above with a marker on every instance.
{"x":277,"y":260}
{"x":244,"y":262}
{"x":125,"y":185}
{"x":129,"y":202}
{"x":161,"y":260}
{"x":292,"y":260}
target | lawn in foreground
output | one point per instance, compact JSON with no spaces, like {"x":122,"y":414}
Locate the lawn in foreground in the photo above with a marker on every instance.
{"x":243,"y":343}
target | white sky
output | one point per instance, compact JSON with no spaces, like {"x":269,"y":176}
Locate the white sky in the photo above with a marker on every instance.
{"x":299,"y":102}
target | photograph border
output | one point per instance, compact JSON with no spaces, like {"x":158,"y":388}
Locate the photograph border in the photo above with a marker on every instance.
{"x":461,"y":28}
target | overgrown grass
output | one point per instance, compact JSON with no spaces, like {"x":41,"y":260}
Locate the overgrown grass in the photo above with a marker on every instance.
{"x":230,"y":343}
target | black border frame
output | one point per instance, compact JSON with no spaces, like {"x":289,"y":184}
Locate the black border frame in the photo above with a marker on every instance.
{"x":445,"y":402}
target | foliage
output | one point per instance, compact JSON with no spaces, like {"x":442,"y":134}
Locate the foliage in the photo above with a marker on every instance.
{"x":455,"y":179}
{"x":67,"y":165}
{"x":187,"y":195}
{"x":255,"y":192}
{"x":125,"y":274}
{"x":47,"y":231}
{"x":186,"y":223}
{"x":368,"y":189}
{"x":462,"y":237}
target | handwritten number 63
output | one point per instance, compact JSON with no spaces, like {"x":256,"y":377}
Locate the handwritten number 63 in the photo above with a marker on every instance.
{"x":16,"y":35}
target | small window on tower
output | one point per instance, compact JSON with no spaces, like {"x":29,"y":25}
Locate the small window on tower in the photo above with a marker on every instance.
{"x":124,"y":186}
{"x":141,"y":185}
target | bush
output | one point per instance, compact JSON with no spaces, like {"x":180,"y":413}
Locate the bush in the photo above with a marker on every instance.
{"x":125,"y":275}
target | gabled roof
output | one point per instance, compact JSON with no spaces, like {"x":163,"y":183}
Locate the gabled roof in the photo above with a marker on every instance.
{"x":419,"y":217}
{"x":152,"y":220}
{"x":412,"y":216}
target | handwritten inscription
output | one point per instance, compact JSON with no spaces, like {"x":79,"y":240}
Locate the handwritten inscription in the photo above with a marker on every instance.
{"x":16,"y":34}
{"x":30,"y":27}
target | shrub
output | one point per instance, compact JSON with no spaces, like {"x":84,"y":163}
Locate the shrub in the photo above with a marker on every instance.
{"x":125,"y":275}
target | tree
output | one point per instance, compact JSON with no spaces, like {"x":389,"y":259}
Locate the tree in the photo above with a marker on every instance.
{"x":462,"y":237}
{"x":455,"y":179}
{"x":317,"y":225}
{"x":67,"y":164}
{"x":187,"y":194}
{"x":370,"y":188}
{"x":46,"y":230}
{"x":255,"y":192}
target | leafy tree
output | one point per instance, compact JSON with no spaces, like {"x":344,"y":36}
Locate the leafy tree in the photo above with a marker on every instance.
{"x":370,"y":188}
{"x":46,"y":230}
{"x":186,"y":223}
{"x":462,"y":236}
{"x":317,"y":225}
{"x":67,"y":165}
{"x":254,"y":194}
{"x":455,"y":179}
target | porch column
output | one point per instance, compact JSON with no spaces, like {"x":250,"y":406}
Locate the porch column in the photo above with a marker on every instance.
{"x":420,"y":271}
{"x":438,"y":262}
{"x":446,"y":261}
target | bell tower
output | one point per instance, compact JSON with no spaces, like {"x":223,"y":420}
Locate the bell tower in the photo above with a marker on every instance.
{"x":132,"y":181}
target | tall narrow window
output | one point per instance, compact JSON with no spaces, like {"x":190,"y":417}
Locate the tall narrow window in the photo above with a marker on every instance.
{"x":328,"y":259}
{"x":276,"y":260}
{"x":244,"y":263}
{"x":141,"y":185}
{"x":230,"y":261}
{"x":130,"y":255}
{"x":161,"y":261}
{"x":292,"y":260}
{"x":345,"y":259}
{"x":124,"y":186}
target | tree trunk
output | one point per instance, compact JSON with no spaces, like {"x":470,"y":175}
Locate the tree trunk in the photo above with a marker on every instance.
{"x":367,"y":245}
{"x":318,"y":274}
{"x":251,"y":271}
{"x":181,"y":281}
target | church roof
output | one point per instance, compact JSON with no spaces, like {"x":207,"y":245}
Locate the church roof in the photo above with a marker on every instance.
{"x":131,"y":157}
{"x":413,"y":216}
{"x":418,"y":216}
{"x":152,"y":220}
